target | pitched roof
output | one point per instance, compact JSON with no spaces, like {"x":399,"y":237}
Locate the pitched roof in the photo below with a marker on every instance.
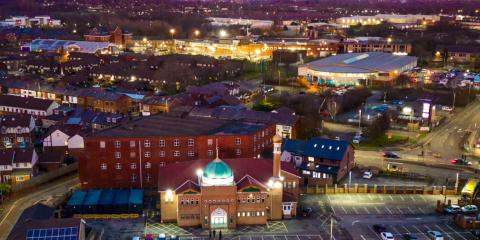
{"x":17,"y":120}
{"x":38,"y":211}
{"x":318,"y":147}
{"x":173,"y":175}
{"x":25,"y":102}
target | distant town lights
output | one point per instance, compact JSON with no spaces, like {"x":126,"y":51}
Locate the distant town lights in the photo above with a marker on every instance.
{"x":223,"y":33}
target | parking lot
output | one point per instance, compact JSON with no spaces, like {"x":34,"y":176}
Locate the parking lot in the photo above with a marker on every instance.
{"x":447,"y":228}
{"x":269,"y":237}
{"x":376,"y":204}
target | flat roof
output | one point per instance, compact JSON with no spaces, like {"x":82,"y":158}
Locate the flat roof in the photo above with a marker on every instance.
{"x":171,"y":125}
{"x":361,"y":62}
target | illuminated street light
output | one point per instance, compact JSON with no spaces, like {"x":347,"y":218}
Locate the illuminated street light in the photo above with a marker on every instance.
{"x":172,"y":32}
{"x":389,"y":40}
{"x":223,"y":33}
{"x":144,"y":39}
{"x":197,"y":33}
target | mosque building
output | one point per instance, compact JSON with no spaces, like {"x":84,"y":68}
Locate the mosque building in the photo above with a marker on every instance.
{"x":225,"y":193}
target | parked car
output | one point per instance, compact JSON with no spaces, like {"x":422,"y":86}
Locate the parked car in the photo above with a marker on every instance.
{"x":460,"y":161}
{"x":452,"y":209}
{"x":469,"y":209}
{"x":476,"y":233}
{"x":387,"y":236}
{"x":410,"y":236}
{"x":379,"y":228}
{"x":306,"y":212}
{"x":356,"y":139}
{"x":367,"y":175}
{"x":135,"y":238}
{"x":435,"y":235}
{"x":162,"y":236}
{"x":173,"y":237}
{"x":149,"y":237}
{"x":337,"y":138}
{"x":447,"y":108}
{"x":391,"y":155}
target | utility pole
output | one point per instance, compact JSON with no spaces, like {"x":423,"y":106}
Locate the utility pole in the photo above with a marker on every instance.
{"x":454,"y":95}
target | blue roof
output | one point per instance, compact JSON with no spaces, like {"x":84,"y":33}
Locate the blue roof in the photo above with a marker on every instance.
{"x":74,"y":120}
{"x":77,"y":198}
{"x":107,"y":197}
{"x":121,"y":197}
{"x":136,"y":196}
{"x":318,"y":147}
{"x":92,"y":197}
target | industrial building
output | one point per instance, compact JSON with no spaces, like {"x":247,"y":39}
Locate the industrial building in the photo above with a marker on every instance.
{"x":54,"y":45}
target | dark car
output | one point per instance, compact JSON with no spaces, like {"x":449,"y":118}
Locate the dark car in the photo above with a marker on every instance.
{"x":476,"y":233}
{"x":391,"y":155}
{"x":460,"y":161}
{"x":410,"y":236}
{"x":379,"y":228}
{"x":306,"y":212}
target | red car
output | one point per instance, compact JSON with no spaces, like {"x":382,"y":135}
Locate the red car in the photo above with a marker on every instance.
{"x":149,"y":237}
{"x":459,"y":161}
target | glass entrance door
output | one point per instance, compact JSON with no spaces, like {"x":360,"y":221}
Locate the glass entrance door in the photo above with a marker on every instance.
{"x":219,"y":218}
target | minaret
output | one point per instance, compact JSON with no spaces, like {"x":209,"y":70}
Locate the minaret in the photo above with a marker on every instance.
{"x":277,"y":152}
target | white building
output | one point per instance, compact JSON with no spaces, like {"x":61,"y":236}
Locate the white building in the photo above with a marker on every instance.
{"x":252,"y":23}
{"x":390,"y":18}
{"x":27,"y":105}
{"x":61,"y":137}
{"x":24,"y":21}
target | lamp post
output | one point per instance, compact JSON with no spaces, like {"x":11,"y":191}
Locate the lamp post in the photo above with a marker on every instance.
{"x":359,"y":119}
{"x":172,"y":32}
{"x":196,"y":33}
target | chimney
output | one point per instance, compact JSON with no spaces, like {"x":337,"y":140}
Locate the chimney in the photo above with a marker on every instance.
{"x":277,"y":151}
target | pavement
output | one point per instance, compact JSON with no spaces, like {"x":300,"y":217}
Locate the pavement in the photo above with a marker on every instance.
{"x":13,"y":208}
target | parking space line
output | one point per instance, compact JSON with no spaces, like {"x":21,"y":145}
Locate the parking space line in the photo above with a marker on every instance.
{"x":374,"y":233}
{"x":403,"y":199}
{"x":388,"y":209}
{"x":355,"y":210}
{"x":395,"y":230}
{"x":406,"y":229}
{"x":410,"y":210}
{"x":377,"y":209}
{"x":411,"y":197}
{"x":400,"y":210}
{"x":369,"y":196}
{"x":421,"y":210}
{"x":366,"y":209}
{"x":380,"y":197}
{"x":443,"y":231}
{"x":391,"y":198}
{"x":456,"y":233}
{"x":423,"y":198}
{"x":427,"y":227}
{"x":329,"y":200}
{"x":345,"y":211}
{"x":419,"y":231}
{"x":363,"y":238}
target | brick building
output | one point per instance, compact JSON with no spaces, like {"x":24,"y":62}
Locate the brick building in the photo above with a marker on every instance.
{"x":118,"y":36}
{"x":129,"y":155}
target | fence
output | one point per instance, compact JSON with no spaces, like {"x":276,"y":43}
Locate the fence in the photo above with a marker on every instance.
{"x":381,"y":189}
{"x":44,"y":178}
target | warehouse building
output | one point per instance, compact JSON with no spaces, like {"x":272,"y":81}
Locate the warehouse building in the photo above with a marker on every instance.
{"x":355,"y":68}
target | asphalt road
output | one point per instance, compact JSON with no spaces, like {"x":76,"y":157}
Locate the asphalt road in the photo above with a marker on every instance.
{"x":11,"y":211}
{"x":446,"y":139}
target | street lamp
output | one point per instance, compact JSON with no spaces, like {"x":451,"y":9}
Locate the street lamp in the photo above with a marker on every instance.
{"x":223,"y":33}
{"x":172,"y":32}
{"x":197,"y":33}
{"x":360,"y":119}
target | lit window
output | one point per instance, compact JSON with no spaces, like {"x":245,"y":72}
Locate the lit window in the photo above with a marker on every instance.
{"x":117,"y":144}
{"x":238,"y":152}
{"x":148,"y":165}
{"x":161,"y":164}
{"x":176,"y":143}
{"x":118,"y":166}
{"x":134,"y":177}
{"x":103,"y":166}
{"x":133,"y":166}
{"x":161,"y":143}
{"x":132,"y":143}
{"x":161,"y":154}
{"x":238,"y":141}
{"x":190,"y":142}
{"x":118,"y":155}
{"x":102,"y":144}
{"x":191,"y":153}
{"x":147,"y":154}
{"x":146,"y":143}
{"x":210,"y":142}
{"x":133,"y":154}
{"x":176,"y":153}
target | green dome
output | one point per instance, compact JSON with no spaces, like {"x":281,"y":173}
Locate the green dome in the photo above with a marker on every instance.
{"x":217,"y":169}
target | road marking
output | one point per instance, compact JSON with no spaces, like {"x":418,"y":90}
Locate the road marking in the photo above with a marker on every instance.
{"x":400,"y":210}
{"x":421,"y":210}
{"x":444,"y":232}
{"x":413,"y":199}
{"x":377,"y":209}
{"x":395,"y":229}
{"x":388,"y":209}
{"x":369,"y":196}
{"x":345,"y":211}
{"x":455,"y":231}
{"x":390,"y":197}
{"x":410,"y":210}
{"x":328,"y":196}
{"x":427,"y":227}
{"x":363,"y":238}
{"x":406,"y":229}
{"x":403,"y":199}
{"x":381,"y":197}
{"x":355,"y":210}
{"x":366,"y":210}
